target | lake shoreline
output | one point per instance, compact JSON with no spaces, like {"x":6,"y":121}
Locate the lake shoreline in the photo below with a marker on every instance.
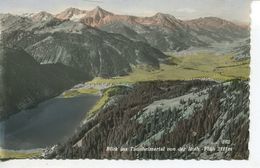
{"x":30,"y":129}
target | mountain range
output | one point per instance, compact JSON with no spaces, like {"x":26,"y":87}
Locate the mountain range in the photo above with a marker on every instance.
{"x":162,"y":31}
{"x":96,"y":52}
{"x":77,"y":45}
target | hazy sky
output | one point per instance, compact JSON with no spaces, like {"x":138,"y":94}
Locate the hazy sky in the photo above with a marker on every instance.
{"x":238,"y":10}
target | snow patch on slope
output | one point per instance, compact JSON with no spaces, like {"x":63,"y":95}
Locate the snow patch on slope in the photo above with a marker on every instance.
{"x":77,"y":17}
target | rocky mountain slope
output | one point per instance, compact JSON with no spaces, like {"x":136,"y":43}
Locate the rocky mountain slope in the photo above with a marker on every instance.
{"x":50,"y":40}
{"x":213,"y":29}
{"x":199,"y":119}
{"x":24,"y":82}
{"x":242,"y":50}
{"x":162,"y":31}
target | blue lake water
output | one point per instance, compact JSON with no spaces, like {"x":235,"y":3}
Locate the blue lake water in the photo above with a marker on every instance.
{"x":49,"y":123}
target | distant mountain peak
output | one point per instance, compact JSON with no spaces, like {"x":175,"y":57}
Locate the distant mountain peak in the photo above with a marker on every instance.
{"x":95,"y":16}
{"x":69,"y":12}
{"x":211,"y":19}
{"x":42,"y":16}
{"x":213,"y":22}
{"x":160,"y":15}
{"x":160,"y":19}
{"x":100,"y":12}
{"x":76,"y":14}
{"x":43,"y":13}
{"x":98,"y":8}
{"x":28,"y":15}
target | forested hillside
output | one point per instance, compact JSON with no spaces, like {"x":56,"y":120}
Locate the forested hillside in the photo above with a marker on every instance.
{"x":170,"y":114}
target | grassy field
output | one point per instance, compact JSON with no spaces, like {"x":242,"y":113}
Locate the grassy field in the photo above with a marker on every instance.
{"x":200,"y":65}
{"x":6,"y":154}
{"x":195,"y":66}
{"x":107,"y":93}
{"x":80,"y":91}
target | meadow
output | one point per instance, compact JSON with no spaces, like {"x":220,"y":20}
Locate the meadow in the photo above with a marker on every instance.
{"x":8,"y":154}
{"x":194,"y":66}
